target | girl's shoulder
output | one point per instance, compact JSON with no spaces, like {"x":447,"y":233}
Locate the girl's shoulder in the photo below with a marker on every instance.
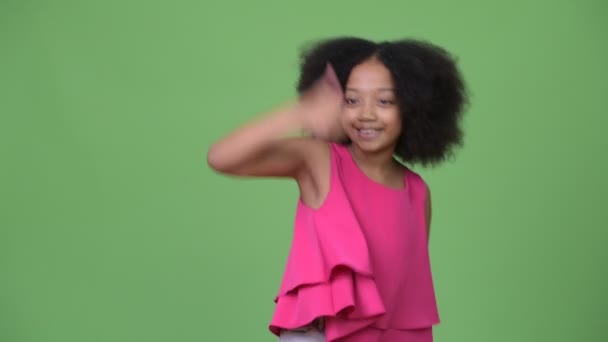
{"x":324,"y":154}
{"x":315,"y":180}
{"x":416,"y":183}
{"x":413,"y":175}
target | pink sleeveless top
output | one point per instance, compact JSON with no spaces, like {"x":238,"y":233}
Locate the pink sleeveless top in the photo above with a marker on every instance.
{"x":361,"y":260}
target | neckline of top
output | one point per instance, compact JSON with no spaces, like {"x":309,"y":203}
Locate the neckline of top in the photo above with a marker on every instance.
{"x":403,"y":189}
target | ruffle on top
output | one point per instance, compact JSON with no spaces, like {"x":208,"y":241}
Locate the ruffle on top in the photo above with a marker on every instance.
{"x":328,"y":272}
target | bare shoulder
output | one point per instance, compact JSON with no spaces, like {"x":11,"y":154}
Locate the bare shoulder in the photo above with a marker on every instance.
{"x":314,"y":181}
{"x":317,"y":152}
{"x":423,"y":188}
{"x":314,"y":153}
{"x":428,"y":207}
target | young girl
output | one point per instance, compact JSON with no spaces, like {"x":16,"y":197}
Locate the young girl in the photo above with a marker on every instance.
{"x":358,"y":268}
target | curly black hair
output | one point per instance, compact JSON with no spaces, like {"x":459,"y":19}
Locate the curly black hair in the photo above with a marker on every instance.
{"x":429,"y":88}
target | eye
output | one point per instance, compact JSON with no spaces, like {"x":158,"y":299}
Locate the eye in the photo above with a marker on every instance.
{"x":351,"y":100}
{"x":386,"y":102}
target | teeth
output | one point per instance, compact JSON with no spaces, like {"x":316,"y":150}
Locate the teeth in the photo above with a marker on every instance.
{"x":368,"y":132}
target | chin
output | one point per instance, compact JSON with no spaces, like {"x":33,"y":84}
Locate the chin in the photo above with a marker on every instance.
{"x":369,"y":146}
{"x":379,"y":143}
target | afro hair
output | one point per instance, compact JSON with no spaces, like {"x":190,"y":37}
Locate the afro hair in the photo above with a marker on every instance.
{"x":430,"y":91}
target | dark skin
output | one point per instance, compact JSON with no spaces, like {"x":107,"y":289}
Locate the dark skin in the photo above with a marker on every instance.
{"x":402,"y":98}
{"x":367,"y":113}
{"x":428,"y":87}
{"x":260,"y":148}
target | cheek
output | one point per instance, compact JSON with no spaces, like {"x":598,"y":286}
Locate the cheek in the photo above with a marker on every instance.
{"x":393,"y":119}
{"x":347,"y":116}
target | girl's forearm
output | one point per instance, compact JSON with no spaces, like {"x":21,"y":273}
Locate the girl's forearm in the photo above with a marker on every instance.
{"x":251,"y":139}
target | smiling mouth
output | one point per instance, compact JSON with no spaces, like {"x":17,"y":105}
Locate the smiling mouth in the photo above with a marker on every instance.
{"x":368,"y":133}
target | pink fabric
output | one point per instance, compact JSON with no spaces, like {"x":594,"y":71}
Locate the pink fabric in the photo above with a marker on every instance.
{"x":361,"y":261}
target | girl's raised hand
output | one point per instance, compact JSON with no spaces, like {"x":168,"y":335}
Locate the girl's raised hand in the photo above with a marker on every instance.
{"x":320,"y":107}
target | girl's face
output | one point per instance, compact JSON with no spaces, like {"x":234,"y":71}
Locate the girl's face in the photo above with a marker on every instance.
{"x":371,"y":116}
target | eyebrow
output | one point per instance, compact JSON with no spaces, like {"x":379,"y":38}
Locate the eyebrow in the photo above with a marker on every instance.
{"x":379,"y":89}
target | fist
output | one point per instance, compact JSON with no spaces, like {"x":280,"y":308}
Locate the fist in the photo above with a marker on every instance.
{"x":321,"y":105}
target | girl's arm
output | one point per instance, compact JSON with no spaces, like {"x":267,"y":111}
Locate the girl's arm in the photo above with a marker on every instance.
{"x":260,"y":148}
{"x":429,"y":214}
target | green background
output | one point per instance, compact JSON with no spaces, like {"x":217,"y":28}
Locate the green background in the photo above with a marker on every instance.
{"x":113,"y":228}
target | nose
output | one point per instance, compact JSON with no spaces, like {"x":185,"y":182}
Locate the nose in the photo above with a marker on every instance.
{"x":367,"y":112}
